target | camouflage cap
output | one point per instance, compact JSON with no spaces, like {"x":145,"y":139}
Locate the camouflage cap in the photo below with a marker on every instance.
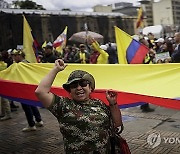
{"x":78,"y":75}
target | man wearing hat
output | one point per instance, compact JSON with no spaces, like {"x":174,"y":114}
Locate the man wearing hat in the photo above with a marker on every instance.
{"x":159,"y":45}
{"x":18,"y":56}
{"x":175,"y":57}
{"x":82,"y":56}
{"x":49,"y":56}
{"x":85,"y":122}
{"x":5,"y":110}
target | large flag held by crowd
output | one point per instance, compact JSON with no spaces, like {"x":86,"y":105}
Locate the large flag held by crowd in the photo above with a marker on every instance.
{"x":60,"y":42}
{"x":134,"y":83}
{"x":129,"y":50}
{"x":30,"y":45}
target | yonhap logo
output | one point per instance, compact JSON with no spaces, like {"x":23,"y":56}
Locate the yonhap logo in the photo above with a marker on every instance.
{"x":154,"y":140}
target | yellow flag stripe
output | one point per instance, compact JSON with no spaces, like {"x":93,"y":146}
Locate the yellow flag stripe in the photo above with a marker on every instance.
{"x":160,"y":80}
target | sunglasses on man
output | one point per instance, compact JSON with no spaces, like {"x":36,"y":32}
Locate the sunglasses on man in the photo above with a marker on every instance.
{"x":82,"y":83}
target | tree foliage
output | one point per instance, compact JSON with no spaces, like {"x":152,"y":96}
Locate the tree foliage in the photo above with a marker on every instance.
{"x":27,"y":4}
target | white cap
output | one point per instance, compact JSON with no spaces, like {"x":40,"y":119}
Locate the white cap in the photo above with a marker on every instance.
{"x":146,"y":38}
{"x":136,"y":37}
{"x":161,"y":40}
{"x":104,"y":47}
{"x":113,"y":45}
{"x":49,"y":44}
{"x":170,"y":38}
{"x":9,"y":51}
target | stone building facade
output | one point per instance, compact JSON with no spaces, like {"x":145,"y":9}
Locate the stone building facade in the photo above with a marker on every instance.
{"x":47,"y":25}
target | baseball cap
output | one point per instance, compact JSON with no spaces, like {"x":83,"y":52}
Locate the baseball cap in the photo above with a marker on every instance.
{"x":161,"y":40}
{"x":16,"y":52}
{"x":104,"y":47}
{"x":49,"y":45}
{"x":82,"y":45}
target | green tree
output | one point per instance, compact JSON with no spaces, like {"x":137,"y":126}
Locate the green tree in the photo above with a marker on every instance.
{"x":27,"y":4}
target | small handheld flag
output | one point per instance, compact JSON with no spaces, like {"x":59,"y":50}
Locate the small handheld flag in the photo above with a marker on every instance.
{"x":130,"y":51}
{"x":60,"y":42}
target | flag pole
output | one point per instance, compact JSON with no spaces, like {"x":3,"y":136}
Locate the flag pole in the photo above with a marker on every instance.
{"x":86,"y":29}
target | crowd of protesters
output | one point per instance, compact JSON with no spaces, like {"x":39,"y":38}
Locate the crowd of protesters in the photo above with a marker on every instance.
{"x":162,"y":50}
{"x":92,"y":52}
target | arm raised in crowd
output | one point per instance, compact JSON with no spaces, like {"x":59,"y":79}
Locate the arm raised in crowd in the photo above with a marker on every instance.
{"x":43,"y":90}
{"x":114,"y":109}
{"x":96,"y":46}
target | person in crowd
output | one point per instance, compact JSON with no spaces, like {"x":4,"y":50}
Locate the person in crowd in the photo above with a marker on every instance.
{"x":149,"y":59}
{"x":99,"y":55}
{"x":49,"y":56}
{"x":159,"y":45}
{"x":57,"y":53}
{"x":85,"y":123}
{"x":159,"y":61}
{"x":166,"y":60}
{"x":7,"y":58}
{"x":30,"y":111}
{"x":73,"y":51}
{"x":94,"y":56}
{"x":65,"y":54}
{"x":175,"y":56}
{"x":112,"y":52}
{"x":4,"y":103}
{"x":5,"y":109}
{"x":151,"y":40}
{"x":168,"y":47}
{"x":69,"y":53}
{"x":82,"y":56}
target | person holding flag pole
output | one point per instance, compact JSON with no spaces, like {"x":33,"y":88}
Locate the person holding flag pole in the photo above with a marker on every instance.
{"x":19,"y":56}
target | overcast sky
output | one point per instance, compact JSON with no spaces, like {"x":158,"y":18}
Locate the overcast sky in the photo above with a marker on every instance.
{"x":76,"y":5}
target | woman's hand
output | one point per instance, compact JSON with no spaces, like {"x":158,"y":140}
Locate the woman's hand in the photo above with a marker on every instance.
{"x":60,"y":65}
{"x":111,"y":97}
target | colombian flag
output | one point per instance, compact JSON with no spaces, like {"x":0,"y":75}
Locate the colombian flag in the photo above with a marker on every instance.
{"x":37,"y":48}
{"x":30,"y":45}
{"x":156,"y":84}
{"x":129,"y":50}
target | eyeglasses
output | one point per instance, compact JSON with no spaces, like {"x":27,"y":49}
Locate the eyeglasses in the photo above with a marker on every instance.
{"x":82,"y":83}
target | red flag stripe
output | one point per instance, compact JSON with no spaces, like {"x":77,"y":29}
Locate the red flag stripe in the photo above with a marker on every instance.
{"x":26,"y":91}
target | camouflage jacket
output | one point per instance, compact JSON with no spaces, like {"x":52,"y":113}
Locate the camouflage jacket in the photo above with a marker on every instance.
{"x":85,"y":126}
